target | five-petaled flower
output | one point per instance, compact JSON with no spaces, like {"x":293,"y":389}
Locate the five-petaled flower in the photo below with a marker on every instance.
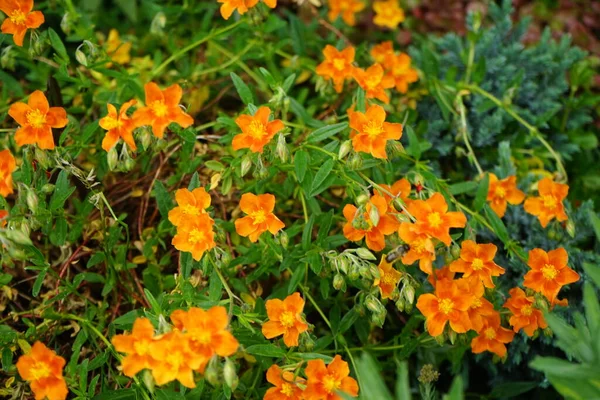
{"x":549,"y":204}
{"x":503,"y":191}
{"x":525,"y":315}
{"x":480,"y":307}
{"x":43,"y":369}
{"x":162,"y":108}
{"x":477,"y":260}
{"x":399,"y":69}
{"x":136,"y":346}
{"x":420,"y":247}
{"x":286,"y":385}
{"x":549,"y":273}
{"x":257,"y":130}
{"x":229,"y":6}
{"x":196,"y":236}
{"x":345,"y":8}
{"x":388,"y":278}
{"x":492,"y":337}
{"x":380,"y":51}
{"x":388,"y":13}
{"x":323,"y":382}
{"x":259,"y":216}
{"x":374,"y":81}
{"x":359,"y":225}
{"x":337,"y":65}
{"x":450,"y":304}
{"x":207,"y":332}
{"x":37,"y":119}
{"x":285,"y":318}
{"x":372,"y":132}
{"x":190,"y":204}
{"x":174,"y":359}
{"x":118,"y":126}
{"x":117,"y":50}
{"x":434,"y":219}
{"x":20,"y":18}
{"x":7,"y":166}
{"x":399,"y":190}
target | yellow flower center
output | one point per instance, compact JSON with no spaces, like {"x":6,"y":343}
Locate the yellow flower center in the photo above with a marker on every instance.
{"x":476,"y":303}
{"x":259,"y":217}
{"x":435,"y":219}
{"x":196,"y":236}
{"x":490,"y":333}
{"x":330,"y":384}
{"x":549,"y":271}
{"x":287,"y":389}
{"x":18,"y":17}
{"x":526,"y":310}
{"x":549,"y":201}
{"x":203,"y":336}
{"x":500,"y":192}
{"x":287,"y":319}
{"x":141,"y":347}
{"x":445,"y":306}
{"x":189,"y":209}
{"x":175,"y":359}
{"x":159,"y":108}
{"x":388,"y":279}
{"x":40,"y":370}
{"x":257,"y":129}
{"x":419,"y":246}
{"x":339,"y":63}
{"x":372,"y":128}
{"x":477,"y":264}
{"x":36,"y":119}
{"x":113,"y":123}
{"x":372,"y":81}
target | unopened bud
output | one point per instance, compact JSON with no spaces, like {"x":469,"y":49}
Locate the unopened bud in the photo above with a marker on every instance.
{"x":281,"y":149}
{"x":229,"y":374}
{"x":548,"y":332}
{"x":354,"y":272}
{"x":306,"y":343}
{"x":394,"y":148}
{"x":81,"y":57}
{"x":148,"y":380}
{"x":448,"y":259}
{"x":67,"y":23}
{"x":571,"y":228}
{"x":112,"y":158}
{"x":362,"y":199}
{"x":365,"y":254}
{"x":158,"y":23}
{"x":455,"y":251}
{"x":374,"y":215}
{"x":374,"y":305}
{"x":409,"y":293}
{"x":42,"y":158}
{"x":440,"y":339}
{"x":284,"y":239}
{"x":343,"y":264}
{"x":344,"y":149}
{"x":146,"y":138}
{"x":246,"y":164}
{"x":452,"y":336}
{"x":18,"y":236}
{"x":211,"y":374}
{"x":32,"y":201}
{"x":48,"y":188}
{"x":226,"y":258}
{"x":354,"y":161}
{"x":339,"y":283}
{"x":400,"y":304}
{"x":378,"y":318}
{"x":372,"y":271}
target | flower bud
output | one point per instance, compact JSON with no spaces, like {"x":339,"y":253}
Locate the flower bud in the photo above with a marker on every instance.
{"x":362,"y":199}
{"x":18,"y":236}
{"x":284,"y":239}
{"x":378,"y":318}
{"x":374,"y":215}
{"x":354,"y":272}
{"x":81,"y":57}
{"x":306,"y":343}
{"x":7,"y":58}
{"x":354,"y":161}
{"x":158,"y":23}
{"x":365,"y":254}
{"x":372,"y":271}
{"x":342,"y":263}
{"x":455,"y":251}
{"x":48,"y":188}
{"x":548,"y":332}
{"x":211,"y":374}
{"x":394,"y":148}
{"x":245,"y":165}
{"x":571,"y":228}
{"x":452,"y":336}
{"x":145,"y":138}
{"x":42,"y":158}
{"x":226,"y":258}
{"x":32,"y":201}
{"x":440,"y":339}
{"x":374,"y":305}
{"x":409,"y":294}
{"x":400,"y":304}
{"x":231,"y":378}
{"x":281,"y":149}
{"x":112,"y":158}
{"x":67,"y":22}
{"x":344,"y":149}
{"x":448,"y":257}
{"x":339,"y":283}
{"x":148,"y":380}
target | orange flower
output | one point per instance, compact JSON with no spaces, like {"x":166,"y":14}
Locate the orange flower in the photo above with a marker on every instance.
{"x":136,"y":346}
{"x":323,"y":382}
{"x":400,"y":71}
{"x":257,"y":131}
{"x":449,"y":303}
{"x":7,"y":166}
{"x":162,"y":108}
{"x":19,"y":18}
{"x":433,"y":218}
{"x":372,"y":131}
{"x":117,"y":50}
{"x":399,"y":190}
{"x":481,"y":307}
{"x":440,"y":274}
{"x":503,"y":191}
{"x":374,"y":82}
{"x":118,"y":126}
{"x":549,"y":273}
{"x":380,"y":51}
{"x":388,"y":14}
{"x":195,"y":236}
{"x":189,"y":205}
{"x":43,"y":369}
{"x":242,"y":6}
{"x":270,"y":3}
{"x":549,"y":204}
{"x":260,"y":217}
{"x":347,"y":9}
{"x":477,"y":260}
{"x":286,"y":385}
{"x":285,"y":318}
{"x":337,"y":65}
{"x":388,"y":278}
{"x":3,"y":216}
{"x":360,"y":226}
{"x":492,"y":337}
{"x":524,"y":313}
{"x":175,"y":359}
{"x":207,"y":332}
{"x":420,"y":248}
{"x":37,"y":119}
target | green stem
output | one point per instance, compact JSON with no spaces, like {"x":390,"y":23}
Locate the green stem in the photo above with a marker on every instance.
{"x":226,"y":286}
{"x":464,"y":130}
{"x":192,"y":46}
{"x":243,"y":66}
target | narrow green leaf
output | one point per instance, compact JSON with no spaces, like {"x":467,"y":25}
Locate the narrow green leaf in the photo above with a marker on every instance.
{"x":37,"y":285}
{"x":194,"y":182}
{"x":497,"y":224}
{"x":482,"y":192}
{"x":242,"y":89}
{"x":296,"y":277}
{"x":414,"y":146}
{"x":301,"y":161}
{"x":326,"y":132}
{"x":163,"y":199}
{"x":321,"y":175}
{"x":403,"y":382}
{"x":265,"y":350}
{"x":58,"y":45}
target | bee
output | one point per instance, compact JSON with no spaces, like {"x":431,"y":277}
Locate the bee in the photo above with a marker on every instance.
{"x":397,"y":253}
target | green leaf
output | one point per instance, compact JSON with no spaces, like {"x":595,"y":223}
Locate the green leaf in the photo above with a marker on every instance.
{"x":58,"y":46}
{"x":265,"y":350}
{"x":403,"y":382}
{"x":163,"y":199}
{"x":214,"y":165}
{"x":122,"y":394}
{"x":129,"y":8}
{"x":307,"y":233}
{"x":360,"y":100}
{"x":37,"y":285}
{"x":592,"y":310}
{"x":371,"y":383}
{"x":347,"y":321}
{"x":414,"y":146}
{"x":456,"y":390}
{"x":215,"y":287}
{"x":242,"y":89}
{"x":153,"y":302}
{"x":194,"y":182}
{"x":482,"y":192}
{"x":326,"y":132}
{"x":62,"y":191}
{"x":512,"y":389}
{"x":95,"y":259}
{"x":462,"y":187}
{"x":321,"y":175}
{"x":497,"y":224}
{"x":301,"y":161}
{"x":58,"y":235}
{"x":553,"y":366}
{"x":296,"y":278}
{"x":593,"y":271}
{"x":595,"y":220}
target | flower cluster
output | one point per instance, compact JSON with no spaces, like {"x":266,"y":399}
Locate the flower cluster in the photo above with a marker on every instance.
{"x":241,"y":6}
{"x":43,"y":369}
{"x":197,"y":336}
{"x":388,"y":13}
{"x":20,"y":18}
{"x":285,"y":318}
{"x":323,"y":382}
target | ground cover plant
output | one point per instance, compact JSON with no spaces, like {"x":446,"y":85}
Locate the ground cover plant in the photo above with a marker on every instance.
{"x":307,"y":199}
